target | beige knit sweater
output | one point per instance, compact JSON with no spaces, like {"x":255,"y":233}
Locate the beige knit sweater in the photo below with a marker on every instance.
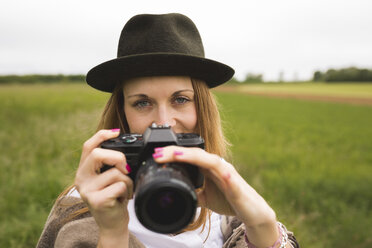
{"x":82,"y":231}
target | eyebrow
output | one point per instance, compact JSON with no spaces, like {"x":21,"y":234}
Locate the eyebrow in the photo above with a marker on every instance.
{"x":174,"y":93}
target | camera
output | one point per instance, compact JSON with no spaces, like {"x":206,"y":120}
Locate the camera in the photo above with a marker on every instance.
{"x":164,"y":194}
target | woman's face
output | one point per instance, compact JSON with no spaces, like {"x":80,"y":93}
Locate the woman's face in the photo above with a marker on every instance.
{"x":163,"y":100}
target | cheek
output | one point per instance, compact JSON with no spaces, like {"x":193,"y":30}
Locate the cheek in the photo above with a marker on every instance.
{"x":137,"y":123}
{"x":193,"y":121}
{"x":188,"y":119}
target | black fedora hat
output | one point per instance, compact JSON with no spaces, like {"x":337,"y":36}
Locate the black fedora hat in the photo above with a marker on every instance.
{"x":159,"y":45}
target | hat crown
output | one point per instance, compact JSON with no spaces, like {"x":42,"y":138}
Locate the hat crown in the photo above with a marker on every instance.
{"x":169,"y":34}
{"x":158,"y":45}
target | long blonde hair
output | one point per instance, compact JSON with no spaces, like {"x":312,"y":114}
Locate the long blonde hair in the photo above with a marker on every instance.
{"x":208,"y":126}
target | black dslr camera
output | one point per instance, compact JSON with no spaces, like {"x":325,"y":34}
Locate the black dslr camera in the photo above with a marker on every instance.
{"x":165,"y":197}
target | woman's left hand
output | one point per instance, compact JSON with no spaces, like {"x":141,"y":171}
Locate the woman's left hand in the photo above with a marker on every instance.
{"x":225,"y":191}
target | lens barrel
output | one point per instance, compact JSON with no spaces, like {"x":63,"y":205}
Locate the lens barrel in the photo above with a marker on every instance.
{"x":165,"y":198}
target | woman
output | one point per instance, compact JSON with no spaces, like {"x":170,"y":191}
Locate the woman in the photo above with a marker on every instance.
{"x":160,"y":76}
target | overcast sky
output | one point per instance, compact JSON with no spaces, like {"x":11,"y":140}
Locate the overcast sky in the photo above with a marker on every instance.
{"x":262,"y":36}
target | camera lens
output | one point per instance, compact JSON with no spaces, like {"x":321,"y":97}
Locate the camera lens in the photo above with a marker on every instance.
{"x":165,"y":199}
{"x":166,"y":206}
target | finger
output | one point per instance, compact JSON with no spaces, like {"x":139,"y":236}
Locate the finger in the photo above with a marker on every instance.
{"x":99,"y":156}
{"x":191,"y":155}
{"x":112,"y":176}
{"x":119,"y":190}
{"x":218,"y":169}
{"x":130,"y":187}
{"x":107,"y":197}
{"x":97,"y":139}
{"x":105,"y":179}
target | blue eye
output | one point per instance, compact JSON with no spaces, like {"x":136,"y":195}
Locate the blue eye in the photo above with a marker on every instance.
{"x":181,"y":100}
{"x":142,"y":104}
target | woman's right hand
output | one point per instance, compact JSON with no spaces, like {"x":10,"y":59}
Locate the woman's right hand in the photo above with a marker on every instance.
{"x":106,"y":194}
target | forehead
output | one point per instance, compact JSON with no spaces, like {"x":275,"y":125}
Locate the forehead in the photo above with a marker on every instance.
{"x":156,"y":85}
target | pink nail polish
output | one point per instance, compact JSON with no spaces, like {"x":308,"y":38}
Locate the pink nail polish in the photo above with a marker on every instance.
{"x":115,"y":130}
{"x":128,"y":168}
{"x":178,"y":153}
{"x":157,"y":155}
{"x":158,"y":149}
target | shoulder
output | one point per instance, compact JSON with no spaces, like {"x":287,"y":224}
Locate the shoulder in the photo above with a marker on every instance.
{"x":233,"y":231}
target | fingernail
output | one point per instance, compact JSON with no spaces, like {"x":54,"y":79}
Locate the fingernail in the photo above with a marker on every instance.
{"x":178,"y":153}
{"x":115,"y":130}
{"x":128,"y":168}
{"x":157,"y":155}
{"x":158,"y":149}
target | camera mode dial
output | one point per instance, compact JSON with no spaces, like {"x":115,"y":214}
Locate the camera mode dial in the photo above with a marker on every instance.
{"x":129,"y":139}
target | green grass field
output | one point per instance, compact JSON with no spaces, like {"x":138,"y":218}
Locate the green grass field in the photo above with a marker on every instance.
{"x":312,"y":161}
{"x":355,"y":90}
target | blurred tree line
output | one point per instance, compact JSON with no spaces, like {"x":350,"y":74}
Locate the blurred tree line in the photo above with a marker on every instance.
{"x":38,"y":78}
{"x":249,"y":78}
{"x":351,"y":74}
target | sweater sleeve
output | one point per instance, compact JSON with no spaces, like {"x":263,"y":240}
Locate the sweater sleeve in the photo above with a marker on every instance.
{"x":233,"y":231}
{"x":58,"y":217}
{"x":62,"y":231}
{"x":78,"y":233}
{"x":84,"y":233}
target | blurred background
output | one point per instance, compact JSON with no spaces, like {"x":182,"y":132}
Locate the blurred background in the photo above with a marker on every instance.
{"x":298,"y":111}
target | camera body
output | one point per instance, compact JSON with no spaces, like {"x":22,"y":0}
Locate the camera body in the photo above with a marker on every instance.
{"x":165,"y":197}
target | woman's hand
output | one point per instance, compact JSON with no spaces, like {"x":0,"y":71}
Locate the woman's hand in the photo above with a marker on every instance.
{"x":225,"y":191}
{"x":106,"y":194}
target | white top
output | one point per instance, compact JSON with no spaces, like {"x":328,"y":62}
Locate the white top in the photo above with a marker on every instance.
{"x":190,"y":239}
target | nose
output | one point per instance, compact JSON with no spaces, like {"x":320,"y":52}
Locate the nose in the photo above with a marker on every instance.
{"x":165,"y":116}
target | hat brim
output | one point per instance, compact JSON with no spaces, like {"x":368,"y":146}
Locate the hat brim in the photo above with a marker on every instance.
{"x":105,"y":76}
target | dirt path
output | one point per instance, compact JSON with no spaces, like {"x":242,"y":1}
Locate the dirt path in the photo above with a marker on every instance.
{"x":310,"y":97}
